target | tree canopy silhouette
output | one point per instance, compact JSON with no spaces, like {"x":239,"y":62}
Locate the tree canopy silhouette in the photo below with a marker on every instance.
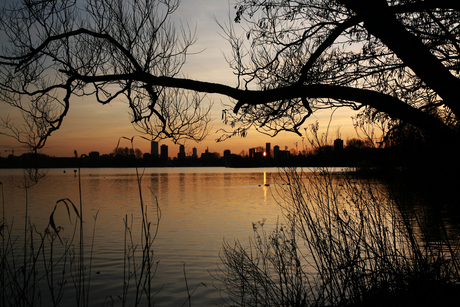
{"x":396,"y":60}
{"x":109,"y":49}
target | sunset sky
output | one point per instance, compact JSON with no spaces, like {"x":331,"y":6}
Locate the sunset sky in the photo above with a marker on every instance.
{"x":92,"y":127}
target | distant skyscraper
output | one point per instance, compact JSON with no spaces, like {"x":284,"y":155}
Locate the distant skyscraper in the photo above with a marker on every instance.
{"x":181,"y":154}
{"x":195,"y":153}
{"x":268,"y":150}
{"x":276,"y":151}
{"x":154,"y":149}
{"x":164,"y":152}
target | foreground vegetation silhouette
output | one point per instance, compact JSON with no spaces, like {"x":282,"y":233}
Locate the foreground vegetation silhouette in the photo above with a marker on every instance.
{"x":41,"y":267}
{"x":345,"y":241}
{"x":354,"y":238}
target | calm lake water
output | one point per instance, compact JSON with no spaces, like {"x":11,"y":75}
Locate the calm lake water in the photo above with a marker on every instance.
{"x":200,"y":209}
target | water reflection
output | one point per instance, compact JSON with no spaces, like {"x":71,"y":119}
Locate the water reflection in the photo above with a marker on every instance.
{"x":265,"y":187}
{"x":433,"y":225}
{"x":199,"y":208}
{"x":155,"y":183}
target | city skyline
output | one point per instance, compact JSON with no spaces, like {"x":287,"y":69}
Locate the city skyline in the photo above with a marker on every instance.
{"x":235,"y":145}
{"x":268,"y":150}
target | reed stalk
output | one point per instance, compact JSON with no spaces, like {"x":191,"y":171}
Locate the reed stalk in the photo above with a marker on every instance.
{"x":141,"y":272}
{"x":48,"y":261}
{"x":2,"y":260}
{"x":82,"y":296}
{"x":345,"y":241}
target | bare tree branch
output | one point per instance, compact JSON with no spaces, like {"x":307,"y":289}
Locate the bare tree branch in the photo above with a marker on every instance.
{"x":400,"y":58}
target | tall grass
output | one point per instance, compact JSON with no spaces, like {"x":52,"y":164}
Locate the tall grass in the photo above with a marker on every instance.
{"x":40,"y":267}
{"x":37,"y":265}
{"x":344,"y":241}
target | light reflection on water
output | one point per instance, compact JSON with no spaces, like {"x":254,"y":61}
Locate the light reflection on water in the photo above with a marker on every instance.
{"x":200,"y":207}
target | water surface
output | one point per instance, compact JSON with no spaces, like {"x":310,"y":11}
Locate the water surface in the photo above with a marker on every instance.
{"x":200,"y":208}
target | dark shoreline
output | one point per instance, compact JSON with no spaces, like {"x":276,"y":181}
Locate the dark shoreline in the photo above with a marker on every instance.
{"x":369,"y":157}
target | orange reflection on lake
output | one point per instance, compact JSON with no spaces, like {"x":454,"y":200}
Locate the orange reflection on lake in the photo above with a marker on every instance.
{"x":200,"y":208}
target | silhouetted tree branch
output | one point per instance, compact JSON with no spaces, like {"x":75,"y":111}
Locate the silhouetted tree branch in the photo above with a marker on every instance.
{"x":393,"y":57}
{"x":398,"y":58}
{"x":56,"y":50}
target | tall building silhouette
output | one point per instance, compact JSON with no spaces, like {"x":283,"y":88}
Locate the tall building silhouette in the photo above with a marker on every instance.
{"x":164,"y":152}
{"x":154,"y":149}
{"x":181,"y":154}
{"x":268,"y":150}
{"x":276,"y":151}
{"x":195,"y":153}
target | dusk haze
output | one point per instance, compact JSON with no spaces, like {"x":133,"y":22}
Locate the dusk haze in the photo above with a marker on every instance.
{"x":229,"y":153}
